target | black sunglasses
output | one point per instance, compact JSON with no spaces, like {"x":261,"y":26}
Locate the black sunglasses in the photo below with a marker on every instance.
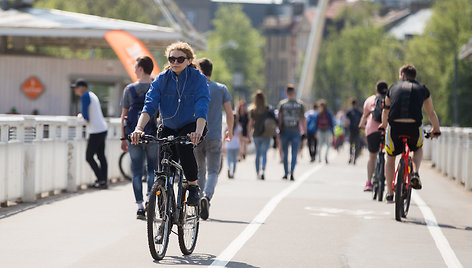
{"x":179,"y":59}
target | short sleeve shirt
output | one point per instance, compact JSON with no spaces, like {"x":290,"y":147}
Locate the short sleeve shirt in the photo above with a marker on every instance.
{"x":219,"y":95}
{"x":407,"y":99}
{"x":257,"y":119}
{"x":372,"y":125}
{"x":291,"y":111}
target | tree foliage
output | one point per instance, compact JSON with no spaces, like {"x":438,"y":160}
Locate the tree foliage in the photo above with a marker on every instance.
{"x":354,"y":57}
{"x":236,"y":47}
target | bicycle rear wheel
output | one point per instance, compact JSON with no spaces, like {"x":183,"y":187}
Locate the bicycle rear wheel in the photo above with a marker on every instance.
{"x":375,"y":182}
{"x":188,"y":227}
{"x":159,"y":221}
{"x":407,"y":192}
{"x":399,"y":191}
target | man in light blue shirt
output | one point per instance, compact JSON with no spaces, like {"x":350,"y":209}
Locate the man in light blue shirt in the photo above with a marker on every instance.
{"x":208,"y":153}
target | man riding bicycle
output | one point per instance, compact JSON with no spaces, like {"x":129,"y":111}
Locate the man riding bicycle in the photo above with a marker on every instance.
{"x":402,"y":116}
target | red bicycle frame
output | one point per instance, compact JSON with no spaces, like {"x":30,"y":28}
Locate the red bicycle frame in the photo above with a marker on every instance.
{"x":405,"y":157}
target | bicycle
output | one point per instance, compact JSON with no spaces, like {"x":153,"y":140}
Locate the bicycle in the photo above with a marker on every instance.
{"x":378,"y":178}
{"x":401,"y":183}
{"x":165,"y":208}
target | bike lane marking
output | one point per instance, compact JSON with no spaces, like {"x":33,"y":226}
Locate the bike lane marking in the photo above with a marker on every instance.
{"x":251,"y":229}
{"x":442,"y":244}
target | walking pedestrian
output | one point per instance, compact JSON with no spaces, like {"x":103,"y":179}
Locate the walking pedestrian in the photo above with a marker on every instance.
{"x":291,"y":117}
{"x":354,"y":115}
{"x":92,"y":113}
{"x":232,"y":147}
{"x":132,"y":104}
{"x":311,"y":130}
{"x":208,"y":152}
{"x":261,"y":128}
{"x":181,"y":93}
{"x":324,"y":128}
{"x":243,"y":121}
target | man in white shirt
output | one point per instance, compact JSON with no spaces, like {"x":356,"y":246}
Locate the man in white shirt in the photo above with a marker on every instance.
{"x":92,"y":113}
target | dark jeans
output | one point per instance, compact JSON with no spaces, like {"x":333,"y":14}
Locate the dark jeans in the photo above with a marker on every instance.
{"x":355,"y":144}
{"x":183,"y":152}
{"x":312,"y":144}
{"x":96,"y":146}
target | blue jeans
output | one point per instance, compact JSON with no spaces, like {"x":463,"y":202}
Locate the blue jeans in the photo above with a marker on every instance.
{"x":292,"y":138}
{"x":232,"y":155}
{"x":262,"y":145}
{"x":137,"y":154}
{"x":208,"y":156}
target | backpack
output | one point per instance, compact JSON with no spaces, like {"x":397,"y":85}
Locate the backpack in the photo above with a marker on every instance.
{"x":311,"y":123}
{"x":269,"y":125}
{"x":134,"y":112}
{"x":377,"y":108}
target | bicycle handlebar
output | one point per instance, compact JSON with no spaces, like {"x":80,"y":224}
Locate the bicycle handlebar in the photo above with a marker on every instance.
{"x":185,"y":140}
{"x":430,"y":135}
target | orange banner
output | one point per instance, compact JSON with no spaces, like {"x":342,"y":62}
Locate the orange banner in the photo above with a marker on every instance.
{"x":128,"y":48}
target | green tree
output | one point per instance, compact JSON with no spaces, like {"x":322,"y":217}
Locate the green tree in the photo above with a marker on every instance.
{"x":239,"y":45}
{"x":435,"y":52}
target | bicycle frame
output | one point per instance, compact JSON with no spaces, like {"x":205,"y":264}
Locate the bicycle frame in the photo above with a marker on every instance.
{"x":166,"y":170}
{"x":405,"y":156}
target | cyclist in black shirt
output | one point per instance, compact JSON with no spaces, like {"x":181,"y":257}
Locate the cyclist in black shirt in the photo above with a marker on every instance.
{"x":402,"y":115}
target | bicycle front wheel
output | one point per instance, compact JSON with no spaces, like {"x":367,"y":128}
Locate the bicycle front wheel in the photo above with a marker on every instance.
{"x":159,"y":222}
{"x":124,"y":164}
{"x":381,"y":179}
{"x":399,"y":190}
{"x":188,"y":227}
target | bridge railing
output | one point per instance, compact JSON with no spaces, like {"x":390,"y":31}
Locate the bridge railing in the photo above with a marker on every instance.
{"x":451,"y":154}
{"x":46,"y":154}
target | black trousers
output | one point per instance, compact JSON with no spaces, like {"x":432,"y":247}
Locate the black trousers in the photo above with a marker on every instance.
{"x":96,"y":146}
{"x":312,"y":144}
{"x":181,"y":152}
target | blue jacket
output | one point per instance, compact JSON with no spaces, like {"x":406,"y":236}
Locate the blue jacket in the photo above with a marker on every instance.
{"x":180,"y":99}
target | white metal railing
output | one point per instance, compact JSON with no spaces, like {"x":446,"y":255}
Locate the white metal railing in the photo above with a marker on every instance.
{"x":451,"y":154}
{"x":41,"y":154}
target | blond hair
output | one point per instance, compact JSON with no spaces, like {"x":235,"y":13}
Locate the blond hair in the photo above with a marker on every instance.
{"x":185,"y":48}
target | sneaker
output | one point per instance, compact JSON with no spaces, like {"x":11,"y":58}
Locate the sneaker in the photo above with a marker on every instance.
{"x":141,"y":214}
{"x":368,"y":187}
{"x":389,"y":198}
{"x":204,"y":208}
{"x":262,"y":176}
{"x":193,"y":195}
{"x":284,"y":177}
{"x":291,"y":177}
{"x":100,"y":185}
{"x":415,"y":181}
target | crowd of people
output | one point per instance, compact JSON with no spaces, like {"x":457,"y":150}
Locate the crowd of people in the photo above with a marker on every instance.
{"x":183,"y":100}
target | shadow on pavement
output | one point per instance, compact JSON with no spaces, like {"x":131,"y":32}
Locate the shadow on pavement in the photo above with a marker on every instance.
{"x":198,"y":259}
{"x":422,"y":222}
{"x":20,"y":207}
{"x":227,"y":221}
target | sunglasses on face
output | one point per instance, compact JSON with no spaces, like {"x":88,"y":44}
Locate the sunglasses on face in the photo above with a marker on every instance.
{"x":180,"y":59}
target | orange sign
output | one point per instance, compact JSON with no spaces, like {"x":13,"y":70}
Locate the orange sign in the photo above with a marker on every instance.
{"x":128,"y":48}
{"x":32,"y":87}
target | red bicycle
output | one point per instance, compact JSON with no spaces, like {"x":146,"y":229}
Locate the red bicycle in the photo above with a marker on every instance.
{"x":401,"y":183}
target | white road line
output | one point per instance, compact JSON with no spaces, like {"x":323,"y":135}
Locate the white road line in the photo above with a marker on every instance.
{"x":251,"y":229}
{"x":442,"y":244}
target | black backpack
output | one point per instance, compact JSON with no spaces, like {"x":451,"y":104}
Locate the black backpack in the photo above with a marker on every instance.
{"x":134,"y":112}
{"x":377,"y":109}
